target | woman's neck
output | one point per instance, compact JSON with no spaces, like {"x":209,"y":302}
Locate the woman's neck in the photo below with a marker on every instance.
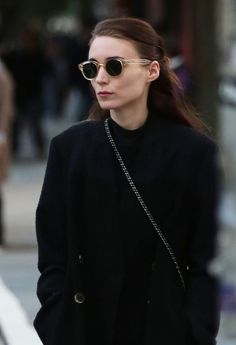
{"x":131,"y":120}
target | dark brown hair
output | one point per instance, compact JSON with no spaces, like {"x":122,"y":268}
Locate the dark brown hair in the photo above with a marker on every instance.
{"x":166,"y":96}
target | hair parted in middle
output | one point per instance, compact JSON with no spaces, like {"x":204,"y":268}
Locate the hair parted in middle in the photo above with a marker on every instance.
{"x":166,"y":96}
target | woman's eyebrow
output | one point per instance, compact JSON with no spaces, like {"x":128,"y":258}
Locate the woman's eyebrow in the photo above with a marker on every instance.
{"x":107,"y":58}
{"x":114,"y":57}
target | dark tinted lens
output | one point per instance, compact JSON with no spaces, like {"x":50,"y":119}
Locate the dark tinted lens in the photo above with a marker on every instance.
{"x":114,"y":67}
{"x":90,"y":70}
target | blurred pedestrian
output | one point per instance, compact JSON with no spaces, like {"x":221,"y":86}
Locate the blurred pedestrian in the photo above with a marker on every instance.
{"x":29,"y":67}
{"x":178,"y":62}
{"x":56,"y":84}
{"x":80,"y":95}
{"x":6,"y":115}
{"x":127,"y":221}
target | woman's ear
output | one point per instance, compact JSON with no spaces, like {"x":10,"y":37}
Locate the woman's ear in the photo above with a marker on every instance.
{"x":153,"y":71}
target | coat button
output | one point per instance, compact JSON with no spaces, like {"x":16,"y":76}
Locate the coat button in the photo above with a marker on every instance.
{"x":79,"y":297}
{"x":81,"y":259}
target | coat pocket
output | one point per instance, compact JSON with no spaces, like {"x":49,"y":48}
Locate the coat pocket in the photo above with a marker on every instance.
{"x":46,"y":318}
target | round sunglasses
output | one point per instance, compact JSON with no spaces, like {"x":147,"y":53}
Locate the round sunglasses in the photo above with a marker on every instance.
{"x":113,"y":67}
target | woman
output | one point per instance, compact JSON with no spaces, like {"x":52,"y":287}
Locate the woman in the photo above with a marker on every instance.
{"x":124,"y":256}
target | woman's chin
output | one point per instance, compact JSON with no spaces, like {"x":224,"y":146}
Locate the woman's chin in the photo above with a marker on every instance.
{"x":107,"y":105}
{"x":104,"y":107}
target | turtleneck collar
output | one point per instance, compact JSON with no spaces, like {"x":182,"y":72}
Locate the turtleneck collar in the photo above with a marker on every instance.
{"x":128,"y":136}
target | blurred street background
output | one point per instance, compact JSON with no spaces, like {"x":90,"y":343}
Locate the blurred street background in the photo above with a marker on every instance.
{"x":43,"y":93}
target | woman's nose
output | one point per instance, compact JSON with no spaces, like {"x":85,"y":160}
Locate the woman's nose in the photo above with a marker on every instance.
{"x":102,"y":76}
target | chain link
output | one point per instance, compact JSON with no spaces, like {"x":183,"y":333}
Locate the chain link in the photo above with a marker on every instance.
{"x":142,"y":203}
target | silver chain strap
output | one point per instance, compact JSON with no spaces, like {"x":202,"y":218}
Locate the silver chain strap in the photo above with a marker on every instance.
{"x":142,"y":203}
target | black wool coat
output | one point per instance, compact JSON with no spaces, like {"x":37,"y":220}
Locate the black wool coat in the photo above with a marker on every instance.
{"x":80,"y":254}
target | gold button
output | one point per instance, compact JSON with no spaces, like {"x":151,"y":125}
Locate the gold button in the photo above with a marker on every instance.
{"x":79,"y":297}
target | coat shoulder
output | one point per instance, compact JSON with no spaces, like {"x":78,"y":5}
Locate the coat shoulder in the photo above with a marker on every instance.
{"x":84,"y":132}
{"x":189,"y":139}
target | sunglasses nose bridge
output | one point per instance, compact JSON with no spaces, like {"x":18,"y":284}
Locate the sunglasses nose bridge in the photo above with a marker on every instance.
{"x":101,"y":72}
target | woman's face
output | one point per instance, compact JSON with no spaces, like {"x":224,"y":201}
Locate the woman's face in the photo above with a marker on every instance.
{"x":130,"y":88}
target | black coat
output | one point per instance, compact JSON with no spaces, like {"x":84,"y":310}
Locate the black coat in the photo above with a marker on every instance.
{"x":80,"y":254}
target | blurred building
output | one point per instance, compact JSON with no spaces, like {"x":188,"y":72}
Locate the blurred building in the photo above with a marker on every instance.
{"x":227,"y":85}
{"x":226,"y":36}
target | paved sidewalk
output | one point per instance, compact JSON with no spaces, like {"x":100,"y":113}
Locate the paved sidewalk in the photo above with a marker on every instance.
{"x":21,"y":194}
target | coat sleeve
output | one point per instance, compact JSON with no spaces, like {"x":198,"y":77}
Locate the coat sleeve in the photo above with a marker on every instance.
{"x":202,"y":285}
{"x":52,"y":247}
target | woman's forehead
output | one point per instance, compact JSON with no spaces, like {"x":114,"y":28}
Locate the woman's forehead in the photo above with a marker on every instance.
{"x":105,"y":46}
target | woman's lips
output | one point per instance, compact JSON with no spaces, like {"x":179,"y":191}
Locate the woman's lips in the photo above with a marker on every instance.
{"x":104,"y":93}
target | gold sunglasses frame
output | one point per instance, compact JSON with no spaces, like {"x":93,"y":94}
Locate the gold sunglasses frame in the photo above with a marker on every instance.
{"x":123,"y":63}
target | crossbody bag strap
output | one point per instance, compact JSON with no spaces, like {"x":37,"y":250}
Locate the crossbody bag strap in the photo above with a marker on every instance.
{"x":142,"y":203}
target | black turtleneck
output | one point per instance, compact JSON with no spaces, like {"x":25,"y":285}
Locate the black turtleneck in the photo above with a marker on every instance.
{"x":139,"y":240}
